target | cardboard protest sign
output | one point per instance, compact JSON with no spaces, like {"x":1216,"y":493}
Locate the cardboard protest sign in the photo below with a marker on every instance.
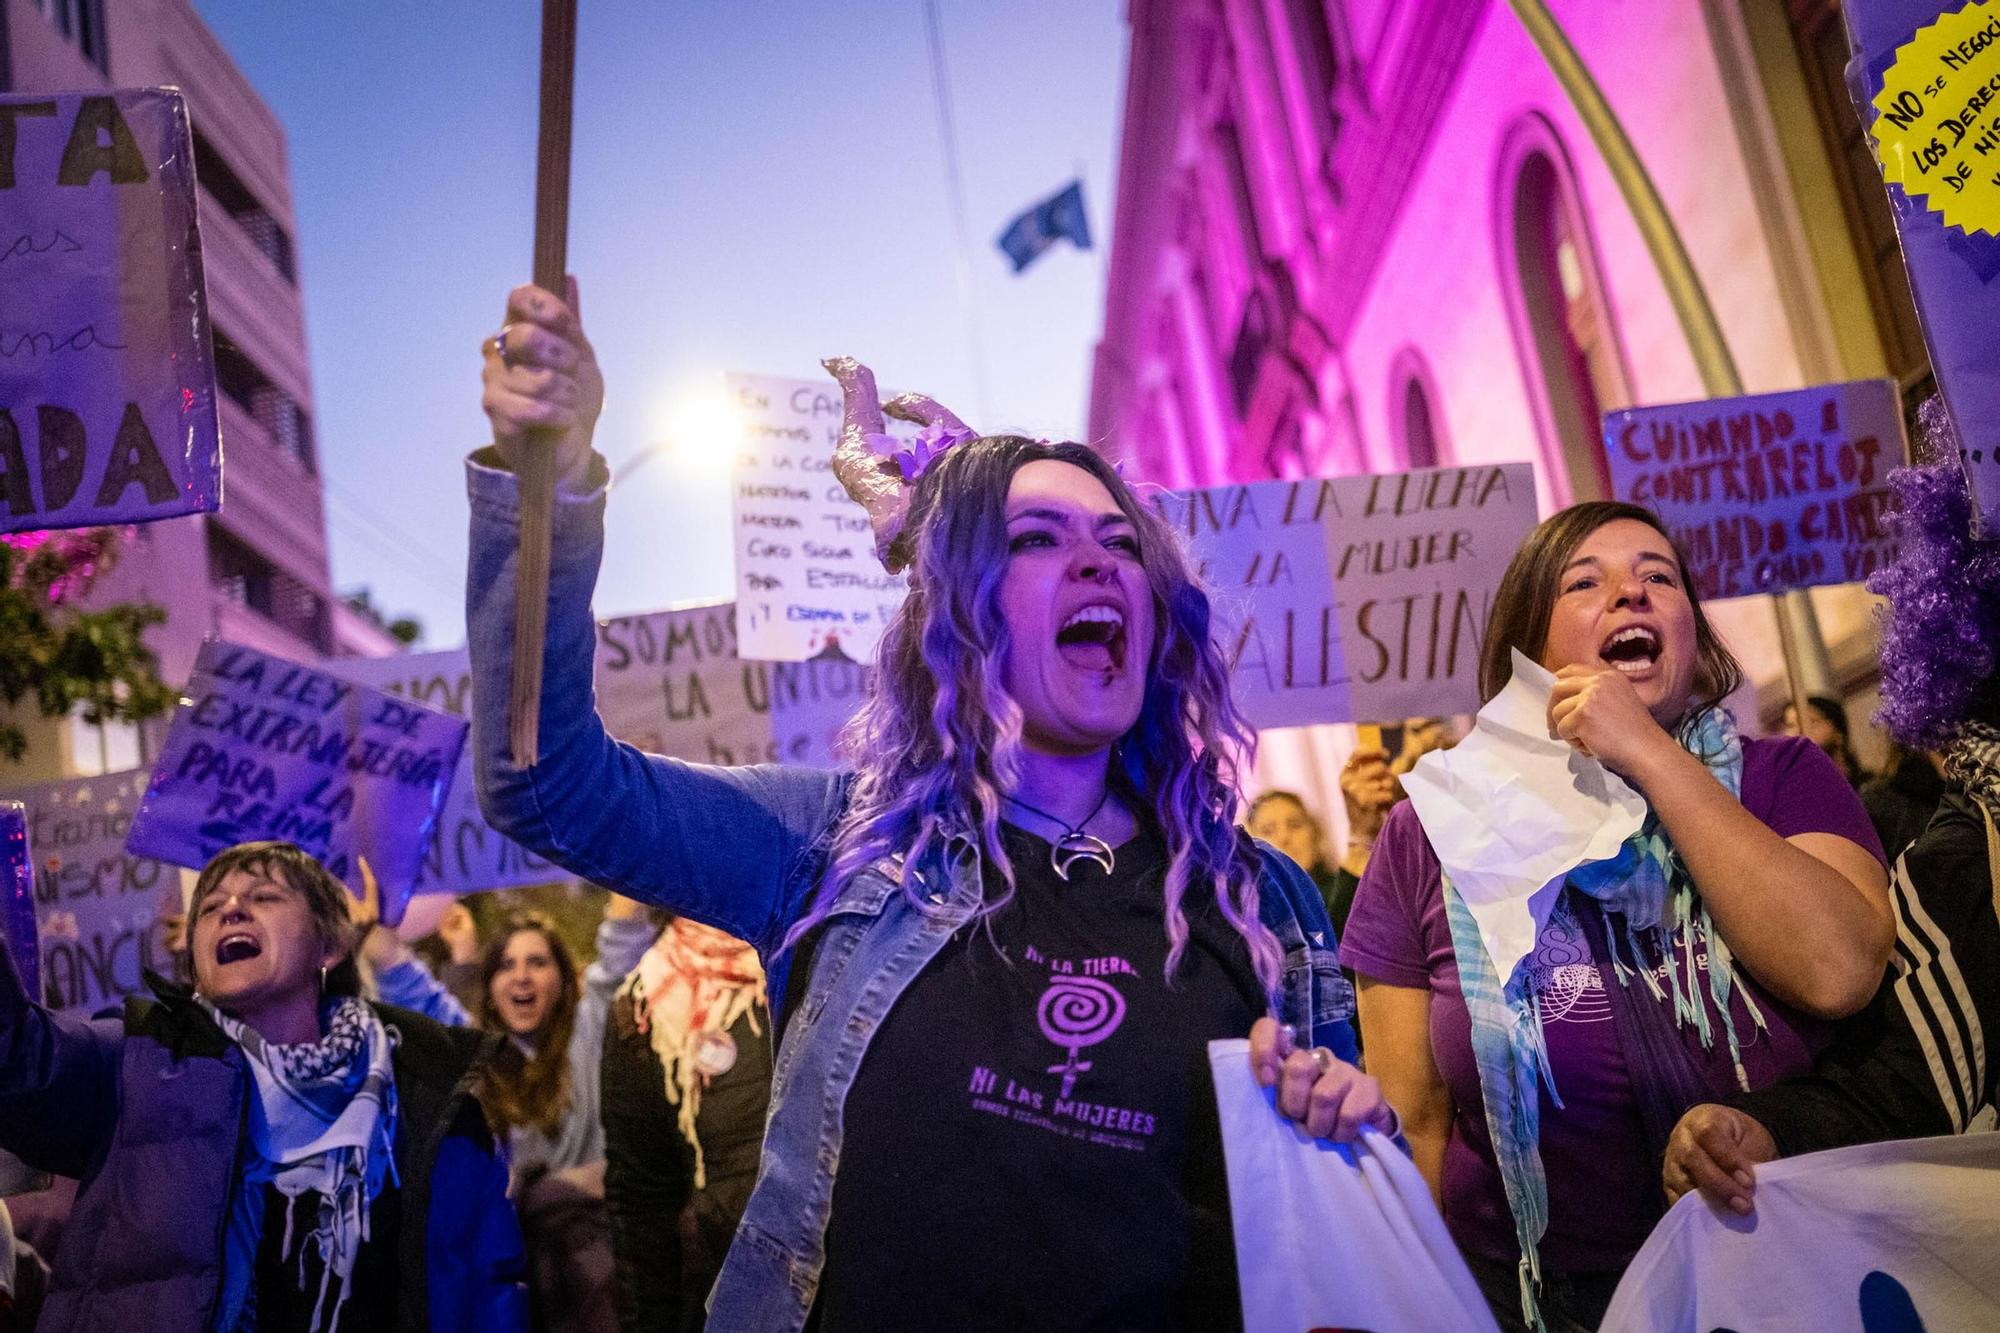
{"x":99,"y":907}
{"x":1262,"y":550}
{"x":107,"y":377}
{"x":468,"y":855}
{"x":265,"y":748}
{"x":669,"y":682}
{"x":1356,"y":599}
{"x":807,"y":580}
{"x":17,"y":897}
{"x":1927,"y":86}
{"x":673,"y":683}
{"x":1770,"y":491}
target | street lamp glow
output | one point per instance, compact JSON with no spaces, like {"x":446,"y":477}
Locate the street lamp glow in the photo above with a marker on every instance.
{"x":701,"y":430}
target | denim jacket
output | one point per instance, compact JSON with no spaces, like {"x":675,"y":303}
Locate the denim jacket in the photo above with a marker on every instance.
{"x":738,"y":849}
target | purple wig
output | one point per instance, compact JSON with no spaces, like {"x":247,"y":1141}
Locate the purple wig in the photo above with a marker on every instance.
{"x":1941,"y":632}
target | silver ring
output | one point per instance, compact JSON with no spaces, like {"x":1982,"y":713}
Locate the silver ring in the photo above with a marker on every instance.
{"x":499,"y":344}
{"x":1323,"y":1059}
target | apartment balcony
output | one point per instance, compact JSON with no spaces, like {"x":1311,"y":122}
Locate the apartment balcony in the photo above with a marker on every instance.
{"x":240,"y":623}
{"x":248,"y":297}
{"x":269,"y":496}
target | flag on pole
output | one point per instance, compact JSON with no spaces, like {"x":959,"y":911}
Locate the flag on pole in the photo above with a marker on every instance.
{"x":1060,"y":215}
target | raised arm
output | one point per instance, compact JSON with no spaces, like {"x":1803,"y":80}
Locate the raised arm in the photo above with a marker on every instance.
{"x":1808,"y":915}
{"x":58,"y":1081}
{"x":401,"y":978}
{"x":722,"y":845}
{"x":622,"y":940}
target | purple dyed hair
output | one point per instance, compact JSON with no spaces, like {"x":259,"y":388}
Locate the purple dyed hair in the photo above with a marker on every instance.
{"x":938,"y":738}
{"x":1941,"y":629}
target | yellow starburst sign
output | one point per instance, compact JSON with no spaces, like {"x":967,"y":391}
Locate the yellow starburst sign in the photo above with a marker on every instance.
{"x":1937,"y":121}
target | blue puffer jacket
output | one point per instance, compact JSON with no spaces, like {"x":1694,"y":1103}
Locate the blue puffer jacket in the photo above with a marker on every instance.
{"x":149,"y":1114}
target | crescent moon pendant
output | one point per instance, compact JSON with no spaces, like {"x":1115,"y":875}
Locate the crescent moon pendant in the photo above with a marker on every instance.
{"x":1075,"y":847}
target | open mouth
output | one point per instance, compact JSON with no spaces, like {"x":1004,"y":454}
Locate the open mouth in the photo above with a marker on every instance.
{"x":522,"y":1004}
{"x":1634,"y":650}
{"x":236,"y":949}
{"x":1093,"y":639}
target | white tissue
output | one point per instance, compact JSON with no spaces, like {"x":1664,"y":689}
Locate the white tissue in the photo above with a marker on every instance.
{"x":1511,"y":811}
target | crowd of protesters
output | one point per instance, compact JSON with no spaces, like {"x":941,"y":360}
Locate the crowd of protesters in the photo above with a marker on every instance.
{"x":759,"y":1105}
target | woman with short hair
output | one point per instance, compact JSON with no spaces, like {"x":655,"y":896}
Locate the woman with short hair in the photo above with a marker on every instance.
{"x":266,"y":1151}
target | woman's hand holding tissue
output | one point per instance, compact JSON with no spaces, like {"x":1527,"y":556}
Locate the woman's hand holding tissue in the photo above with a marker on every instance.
{"x":1597,"y":710}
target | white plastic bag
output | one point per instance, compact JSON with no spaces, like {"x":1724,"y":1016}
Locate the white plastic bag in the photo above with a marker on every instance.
{"x":1332,"y":1236}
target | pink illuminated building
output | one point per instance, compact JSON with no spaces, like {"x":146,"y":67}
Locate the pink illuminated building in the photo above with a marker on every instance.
{"x":257,"y":572}
{"x":1364,"y":235}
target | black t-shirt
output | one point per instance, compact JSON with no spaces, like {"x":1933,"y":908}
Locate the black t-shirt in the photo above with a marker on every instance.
{"x":1031,"y":1140}
{"x":287,"y":1288}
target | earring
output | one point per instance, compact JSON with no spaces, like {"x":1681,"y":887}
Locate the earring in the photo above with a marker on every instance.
{"x":322,"y":980}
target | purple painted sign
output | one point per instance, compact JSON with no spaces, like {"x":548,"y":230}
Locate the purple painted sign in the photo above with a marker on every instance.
{"x":1938,"y":89}
{"x":102,"y":911}
{"x":17,"y":896}
{"x":669,"y":682}
{"x":1769,"y":491}
{"x":107,"y":376}
{"x":264,"y":748}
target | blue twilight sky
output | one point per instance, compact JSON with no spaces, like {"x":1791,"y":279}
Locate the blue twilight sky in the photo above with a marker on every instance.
{"x":754,"y":186}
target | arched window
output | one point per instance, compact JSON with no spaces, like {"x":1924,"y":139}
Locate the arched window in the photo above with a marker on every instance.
{"x":1563,"y":324}
{"x":1413,"y":411}
{"x":1419,"y":436}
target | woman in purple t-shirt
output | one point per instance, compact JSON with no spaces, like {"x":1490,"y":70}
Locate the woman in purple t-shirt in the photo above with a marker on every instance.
{"x":1757,"y":856}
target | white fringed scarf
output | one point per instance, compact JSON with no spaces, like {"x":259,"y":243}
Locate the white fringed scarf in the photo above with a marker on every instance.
{"x":324,"y":1122}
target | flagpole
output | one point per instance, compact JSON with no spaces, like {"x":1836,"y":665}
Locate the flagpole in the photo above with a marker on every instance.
{"x":538,"y":464}
{"x":1703,"y":331}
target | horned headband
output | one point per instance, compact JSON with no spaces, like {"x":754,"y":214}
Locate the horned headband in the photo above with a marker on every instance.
{"x":875,"y":467}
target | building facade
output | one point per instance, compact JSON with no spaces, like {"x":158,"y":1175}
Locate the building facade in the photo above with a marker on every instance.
{"x":256,"y":572}
{"x":1366,"y":235}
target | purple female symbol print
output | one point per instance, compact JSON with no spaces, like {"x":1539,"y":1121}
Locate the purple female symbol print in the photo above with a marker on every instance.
{"x":1076,"y":1012}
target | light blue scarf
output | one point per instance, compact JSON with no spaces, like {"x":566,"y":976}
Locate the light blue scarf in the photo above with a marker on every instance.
{"x":1647,"y":888}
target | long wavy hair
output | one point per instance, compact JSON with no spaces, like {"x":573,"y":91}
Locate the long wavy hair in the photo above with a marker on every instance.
{"x":937,"y":741}
{"x":534,"y":1091}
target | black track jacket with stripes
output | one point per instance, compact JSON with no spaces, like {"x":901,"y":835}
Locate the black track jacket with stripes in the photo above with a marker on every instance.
{"x":1920,"y":1059}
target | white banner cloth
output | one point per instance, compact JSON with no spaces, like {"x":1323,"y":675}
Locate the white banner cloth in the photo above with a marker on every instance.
{"x":1884,"y":1237}
{"x":1332,"y":1236}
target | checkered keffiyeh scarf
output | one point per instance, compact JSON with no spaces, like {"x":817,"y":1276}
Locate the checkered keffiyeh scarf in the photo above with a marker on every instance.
{"x":324,"y":1122}
{"x":1645,"y":890}
{"x":1972,"y":763}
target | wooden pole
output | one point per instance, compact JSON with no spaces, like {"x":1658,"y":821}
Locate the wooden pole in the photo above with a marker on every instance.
{"x":1690,"y":300}
{"x":538,"y":463}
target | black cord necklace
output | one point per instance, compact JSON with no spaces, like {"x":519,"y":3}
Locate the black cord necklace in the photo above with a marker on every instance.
{"x":1075,"y":845}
